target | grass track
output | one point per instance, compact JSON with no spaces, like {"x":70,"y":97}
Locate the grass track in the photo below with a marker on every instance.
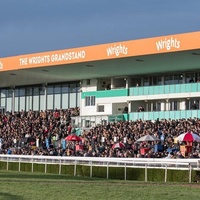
{"x":36,"y":186}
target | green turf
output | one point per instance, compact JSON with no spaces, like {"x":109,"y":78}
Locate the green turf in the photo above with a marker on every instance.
{"x":21,"y":186}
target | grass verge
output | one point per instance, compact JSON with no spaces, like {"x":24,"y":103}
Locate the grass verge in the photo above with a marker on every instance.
{"x":32,"y":186}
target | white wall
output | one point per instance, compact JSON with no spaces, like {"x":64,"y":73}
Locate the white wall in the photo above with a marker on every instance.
{"x":107,"y":102}
{"x":89,"y":88}
{"x":136,"y":101}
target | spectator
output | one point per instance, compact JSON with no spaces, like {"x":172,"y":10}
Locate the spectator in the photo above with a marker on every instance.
{"x":44,"y":133}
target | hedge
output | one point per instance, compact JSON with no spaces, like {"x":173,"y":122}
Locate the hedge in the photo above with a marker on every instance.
{"x":136,"y":174}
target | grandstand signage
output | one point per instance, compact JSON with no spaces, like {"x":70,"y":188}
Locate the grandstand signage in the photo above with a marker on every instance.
{"x":141,"y":47}
{"x":117,"y":50}
{"x":1,"y":65}
{"x":52,"y":58}
{"x":168,"y":44}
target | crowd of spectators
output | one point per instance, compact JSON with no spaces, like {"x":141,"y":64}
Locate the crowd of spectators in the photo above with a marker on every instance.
{"x":45,"y":132}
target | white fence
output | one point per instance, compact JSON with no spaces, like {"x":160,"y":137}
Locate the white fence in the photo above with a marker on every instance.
{"x":146,"y":163}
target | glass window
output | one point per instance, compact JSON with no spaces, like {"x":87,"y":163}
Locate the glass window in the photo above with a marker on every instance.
{"x":42,"y":90}
{"x":21,"y":103}
{"x":9,"y":104}
{"x":178,"y":78}
{"x":50,"y":102}
{"x":29,"y":91}
{"x":16,"y":103}
{"x":157,"y":80}
{"x":9,"y":93}
{"x":78,"y":99}
{"x":154,"y":106}
{"x":88,"y":82}
{"x":36,"y":102}
{"x":29,"y":100}
{"x":146,"y":81}
{"x":3,"y":93}
{"x":42,"y":102}
{"x":189,"y":77}
{"x":50,"y":90}
{"x":57,"y":89}
{"x":92,"y":100}
{"x":73,"y":88}
{"x":149,"y":107}
{"x":72,"y":100}
{"x":3,"y":102}
{"x":35,"y":91}
{"x":87,"y":101}
{"x":158,"y":106}
{"x":57,"y":101}
{"x":169,"y":80}
{"x":16,"y":92}
{"x":65,"y":101}
{"x":22,"y":92}
{"x":100,"y":108}
{"x":65,"y":88}
{"x":173,"y":105}
{"x":194,"y":104}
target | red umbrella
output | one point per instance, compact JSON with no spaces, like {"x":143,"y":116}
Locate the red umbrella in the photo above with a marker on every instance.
{"x":118,"y":145}
{"x":73,"y":138}
{"x":188,"y":137}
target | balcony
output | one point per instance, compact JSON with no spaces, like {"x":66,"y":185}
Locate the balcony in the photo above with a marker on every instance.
{"x":178,"y":114}
{"x":165,"y":89}
{"x":106,"y":93}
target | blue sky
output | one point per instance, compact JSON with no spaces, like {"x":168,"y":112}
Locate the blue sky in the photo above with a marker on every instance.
{"x":29,"y":26}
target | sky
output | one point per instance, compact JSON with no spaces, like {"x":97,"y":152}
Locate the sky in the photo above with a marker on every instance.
{"x":30,"y":26}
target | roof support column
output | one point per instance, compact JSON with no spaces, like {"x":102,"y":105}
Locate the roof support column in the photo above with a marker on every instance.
{"x":112,"y":83}
{"x":129,"y":106}
{"x":127,"y":79}
{"x":13,"y":100}
{"x":45,"y":95}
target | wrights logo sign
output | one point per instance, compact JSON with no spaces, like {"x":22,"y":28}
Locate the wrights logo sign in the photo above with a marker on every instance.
{"x":168,"y":44}
{"x":1,"y":65}
{"x":117,"y":50}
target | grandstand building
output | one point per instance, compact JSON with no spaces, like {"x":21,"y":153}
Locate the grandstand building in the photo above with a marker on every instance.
{"x":139,"y":79}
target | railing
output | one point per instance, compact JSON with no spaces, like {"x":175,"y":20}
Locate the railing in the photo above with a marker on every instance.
{"x":92,"y":121}
{"x":151,"y":163}
{"x":145,"y":90}
{"x":106,"y":93}
{"x":168,"y":114}
{"x":165,"y":89}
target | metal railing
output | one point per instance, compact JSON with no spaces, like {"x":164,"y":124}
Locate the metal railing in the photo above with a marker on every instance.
{"x":145,"y":163}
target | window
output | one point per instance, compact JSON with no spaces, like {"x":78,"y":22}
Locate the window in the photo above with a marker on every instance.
{"x":90,"y":101}
{"x":190,"y":78}
{"x":65,"y":88}
{"x":146,"y":81}
{"x":50,"y":90}
{"x":72,"y":88}
{"x":174,"y":105}
{"x":9,"y":93}
{"x":88,"y":82}
{"x":87,"y":101}
{"x":28,"y":91}
{"x":169,"y":80}
{"x":178,"y":78}
{"x":100,"y":108}
{"x":157,"y":80}
{"x":192,"y":104}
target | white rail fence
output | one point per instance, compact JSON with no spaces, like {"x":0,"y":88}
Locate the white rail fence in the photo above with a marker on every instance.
{"x":145,"y":163}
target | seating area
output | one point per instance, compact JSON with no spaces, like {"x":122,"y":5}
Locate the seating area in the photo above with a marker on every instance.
{"x":45,"y":133}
